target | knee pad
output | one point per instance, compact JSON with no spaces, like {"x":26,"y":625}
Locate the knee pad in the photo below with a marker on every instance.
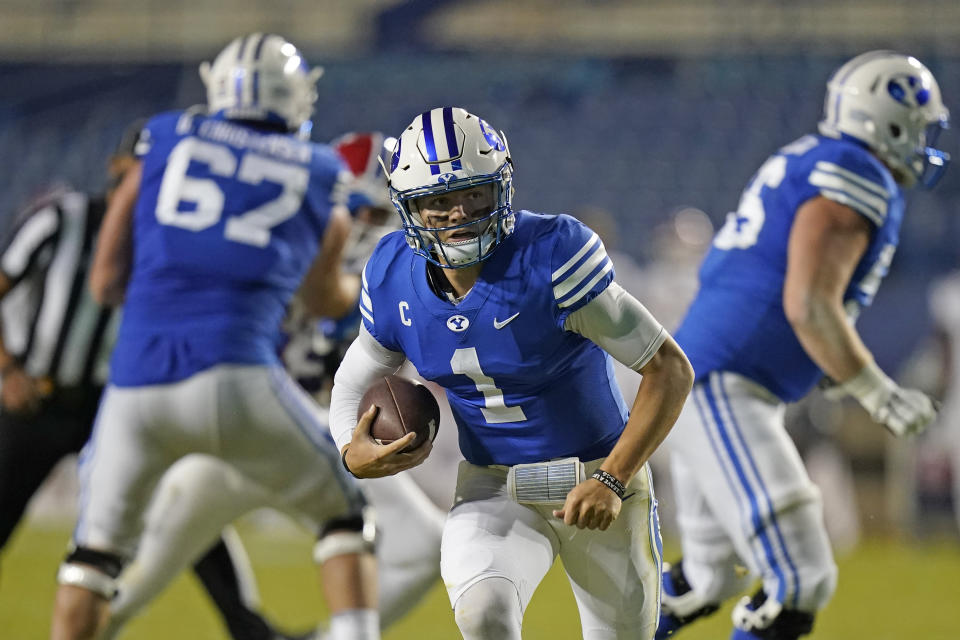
{"x":95,"y":571}
{"x":763,"y":618}
{"x":679,"y":604}
{"x":489,"y":609}
{"x":353,"y":534}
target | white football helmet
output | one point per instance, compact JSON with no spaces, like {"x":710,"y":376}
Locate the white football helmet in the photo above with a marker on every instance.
{"x":263,"y":78}
{"x":891,"y":103}
{"x":446,"y":149}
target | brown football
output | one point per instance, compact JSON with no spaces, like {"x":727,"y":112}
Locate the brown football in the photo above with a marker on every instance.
{"x":405,"y":406}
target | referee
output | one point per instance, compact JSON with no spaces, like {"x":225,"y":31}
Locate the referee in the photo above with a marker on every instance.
{"x":55,"y":345}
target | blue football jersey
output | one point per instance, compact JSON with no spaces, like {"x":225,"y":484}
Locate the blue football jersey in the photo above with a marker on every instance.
{"x":521,"y":387}
{"x":737,"y":322}
{"x":228,"y":220}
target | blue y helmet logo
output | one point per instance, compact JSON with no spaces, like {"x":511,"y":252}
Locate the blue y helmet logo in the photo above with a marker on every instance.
{"x":446,"y":178}
{"x":395,"y":159}
{"x":908,"y":91}
{"x":491,"y":136}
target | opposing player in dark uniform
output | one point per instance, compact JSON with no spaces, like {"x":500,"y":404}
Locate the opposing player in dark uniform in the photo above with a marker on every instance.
{"x":780,"y":289}
{"x":208,"y":238}
{"x":514,"y":314}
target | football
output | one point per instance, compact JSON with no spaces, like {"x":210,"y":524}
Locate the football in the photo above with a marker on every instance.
{"x":405,"y":406}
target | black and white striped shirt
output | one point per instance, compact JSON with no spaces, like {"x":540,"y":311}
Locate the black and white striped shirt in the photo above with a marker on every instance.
{"x":50,"y":322}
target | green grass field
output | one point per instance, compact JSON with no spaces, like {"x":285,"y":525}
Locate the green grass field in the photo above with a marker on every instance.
{"x":887,"y":591}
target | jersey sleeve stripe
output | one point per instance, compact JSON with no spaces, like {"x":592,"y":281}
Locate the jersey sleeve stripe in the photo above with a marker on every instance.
{"x":572,"y":261}
{"x":28,"y":240}
{"x":853,"y":203}
{"x":366,"y":314}
{"x":365,"y":301}
{"x":366,"y":304}
{"x":571,"y":282}
{"x":835,"y":188}
{"x":839,"y":183}
{"x":870,"y":185}
{"x":588,"y":286}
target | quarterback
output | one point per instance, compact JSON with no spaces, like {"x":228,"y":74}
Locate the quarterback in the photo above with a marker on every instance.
{"x":516,"y":314}
{"x":780,"y":289}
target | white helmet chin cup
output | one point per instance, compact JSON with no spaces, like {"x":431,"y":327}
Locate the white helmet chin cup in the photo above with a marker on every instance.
{"x":891,"y":103}
{"x":447,"y":149}
{"x":262,"y":78}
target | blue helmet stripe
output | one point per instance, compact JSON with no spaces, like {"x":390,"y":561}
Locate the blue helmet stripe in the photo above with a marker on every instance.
{"x":256,"y":87}
{"x":256,"y":52}
{"x":238,"y":76}
{"x":450,"y":129}
{"x":843,"y":79}
{"x":431,"y":145}
{"x":238,"y":73}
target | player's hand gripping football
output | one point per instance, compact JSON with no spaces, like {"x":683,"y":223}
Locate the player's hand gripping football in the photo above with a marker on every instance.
{"x":590,"y":505}
{"x":366,"y":458}
{"x":904,"y":412}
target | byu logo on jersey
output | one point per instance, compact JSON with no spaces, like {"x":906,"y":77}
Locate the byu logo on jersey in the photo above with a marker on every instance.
{"x":457,"y":323}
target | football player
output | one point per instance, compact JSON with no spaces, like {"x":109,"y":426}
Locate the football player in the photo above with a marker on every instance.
{"x":49,"y":396}
{"x":781,"y":286}
{"x":514,"y":314}
{"x":201,"y":494}
{"x":206,"y":241}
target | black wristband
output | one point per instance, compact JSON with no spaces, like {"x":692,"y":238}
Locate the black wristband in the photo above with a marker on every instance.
{"x":610,"y":482}
{"x":343,"y":460}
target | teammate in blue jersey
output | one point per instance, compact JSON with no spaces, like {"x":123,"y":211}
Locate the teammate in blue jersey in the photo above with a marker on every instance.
{"x":205,"y":242}
{"x":514,"y":314}
{"x":812,"y":237}
{"x":202,"y":494}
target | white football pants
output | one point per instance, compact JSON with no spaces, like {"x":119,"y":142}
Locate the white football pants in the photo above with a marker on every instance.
{"x":254,"y":417}
{"x":495,"y":552}
{"x":744,"y":498}
{"x":201,"y":494}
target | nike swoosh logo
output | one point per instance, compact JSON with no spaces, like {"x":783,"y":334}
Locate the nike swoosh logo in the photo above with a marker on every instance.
{"x":501,"y":325}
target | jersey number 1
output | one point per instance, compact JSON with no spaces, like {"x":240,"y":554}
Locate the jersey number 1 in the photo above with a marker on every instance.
{"x":495,"y":410}
{"x":251,"y":227}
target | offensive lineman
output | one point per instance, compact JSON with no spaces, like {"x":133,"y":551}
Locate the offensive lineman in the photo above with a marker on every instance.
{"x":206,"y":242}
{"x":513,"y":313}
{"x":201,"y":494}
{"x":814,"y":234}
{"x":49,"y":395}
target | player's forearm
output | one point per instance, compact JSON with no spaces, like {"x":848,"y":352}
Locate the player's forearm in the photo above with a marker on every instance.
{"x":113,"y":260}
{"x":346,"y":296}
{"x":828,"y":337}
{"x":364,"y":362}
{"x":667,"y":380}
